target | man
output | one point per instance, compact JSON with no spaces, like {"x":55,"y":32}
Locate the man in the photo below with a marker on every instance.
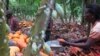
{"x":12,"y":21}
{"x":92,"y":43}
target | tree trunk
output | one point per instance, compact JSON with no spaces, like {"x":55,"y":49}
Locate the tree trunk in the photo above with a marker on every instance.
{"x":70,"y":18}
{"x":43,"y":2}
{"x":71,"y":12}
{"x":4,"y":50}
{"x":94,"y":2}
{"x":83,"y":12}
{"x":86,"y":2}
{"x":41,"y":24}
{"x":88,"y":29}
{"x":89,"y":25}
{"x":50,"y":21}
{"x":7,"y":4}
{"x":64,"y":6}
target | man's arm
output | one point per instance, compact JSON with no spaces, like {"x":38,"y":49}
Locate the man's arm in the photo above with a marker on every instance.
{"x":78,"y":40}
{"x":93,"y":38}
{"x":86,"y":44}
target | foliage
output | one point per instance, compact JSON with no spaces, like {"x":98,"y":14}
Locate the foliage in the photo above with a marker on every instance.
{"x":72,"y":8}
{"x":24,"y":7}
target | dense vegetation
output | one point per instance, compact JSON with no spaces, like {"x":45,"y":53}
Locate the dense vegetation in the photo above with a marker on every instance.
{"x":72,"y":10}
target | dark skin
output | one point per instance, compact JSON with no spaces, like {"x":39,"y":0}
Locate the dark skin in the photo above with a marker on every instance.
{"x":84,"y":42}
{"x":12,"y":21}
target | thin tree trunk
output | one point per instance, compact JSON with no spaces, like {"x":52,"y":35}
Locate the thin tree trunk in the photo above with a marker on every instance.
{"x":7,"y":4}
{"x":88,"y":29}
{"x":89,"y":24}
{"x":83,"y":12}
{"x":64,"y":6}
{"x":70,"y":18}
{"x":50,"y":21}
{"x":94,"y":1}
{"x":83,"y":22}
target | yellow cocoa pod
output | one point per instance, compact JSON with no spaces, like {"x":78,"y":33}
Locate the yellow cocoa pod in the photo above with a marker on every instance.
{"x":59,"y":9}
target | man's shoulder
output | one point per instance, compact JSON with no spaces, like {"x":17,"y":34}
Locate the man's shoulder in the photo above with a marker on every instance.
{"x":15,"y":18}
{"x":96,"y":27}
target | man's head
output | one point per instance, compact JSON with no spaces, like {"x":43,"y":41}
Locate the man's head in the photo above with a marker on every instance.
{"x":92,"y":13}
{"x":8,"y":14}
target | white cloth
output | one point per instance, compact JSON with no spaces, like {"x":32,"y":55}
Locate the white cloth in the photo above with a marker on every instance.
{"x":96,"y":28}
